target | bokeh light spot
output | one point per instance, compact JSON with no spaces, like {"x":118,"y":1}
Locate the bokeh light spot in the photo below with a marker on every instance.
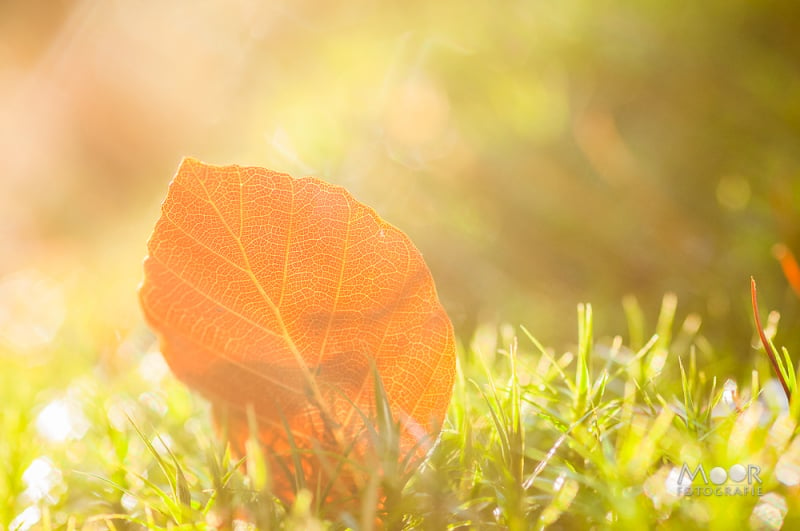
{"x":40,"y":478}
{"x":26,"y":519}
{"x":733,"y":192}
{"x":153,"y":368}
{"x":61,"y":420}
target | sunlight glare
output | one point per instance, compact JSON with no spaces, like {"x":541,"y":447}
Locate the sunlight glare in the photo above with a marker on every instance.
{"x":153,"y":368}
{"x":162,"y":443}
{"x":119,"y":410}
{"x":61,"y":420}
{"x":41,"y":477}
{"x":128,"y":502}
{"x":673,"y":484}
{"x":32,"y":309}
{"x":26,"y":519}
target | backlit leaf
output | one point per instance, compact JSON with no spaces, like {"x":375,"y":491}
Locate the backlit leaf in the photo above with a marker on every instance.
{"x":283,"y":294}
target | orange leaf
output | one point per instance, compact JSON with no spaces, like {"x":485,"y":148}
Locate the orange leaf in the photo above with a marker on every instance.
{"x":789,"y":265}
{"x":282,"y":294}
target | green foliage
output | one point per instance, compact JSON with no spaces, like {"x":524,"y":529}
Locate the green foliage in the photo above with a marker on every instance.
{"x":593,"y":436}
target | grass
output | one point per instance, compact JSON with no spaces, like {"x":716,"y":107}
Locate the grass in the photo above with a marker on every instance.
{"x":595,"y":435}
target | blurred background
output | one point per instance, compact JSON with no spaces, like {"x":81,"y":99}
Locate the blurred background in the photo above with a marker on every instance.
{"x":539,"y":154}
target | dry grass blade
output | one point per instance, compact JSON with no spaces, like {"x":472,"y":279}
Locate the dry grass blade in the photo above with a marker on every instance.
{"x":773,"y":358}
